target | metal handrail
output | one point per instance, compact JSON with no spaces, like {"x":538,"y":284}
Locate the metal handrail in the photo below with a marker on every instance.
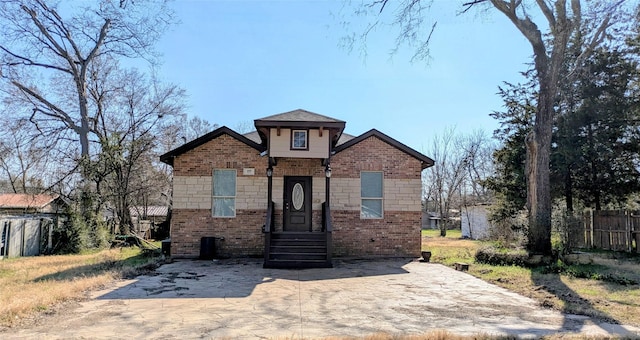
{"x":326,"y":218}
{"x":268,"y":226}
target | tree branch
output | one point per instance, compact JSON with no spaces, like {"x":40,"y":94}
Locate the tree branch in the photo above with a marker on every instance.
{"x":470,"y":4}
{"x":28,"y":62}
{"x":60,"y":113}
{"x":548,"y":12}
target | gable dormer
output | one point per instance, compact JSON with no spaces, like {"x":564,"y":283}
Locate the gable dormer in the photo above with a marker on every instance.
{"x":299,"y":134}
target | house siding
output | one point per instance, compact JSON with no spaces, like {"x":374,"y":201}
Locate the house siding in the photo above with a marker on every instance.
{"x":280,"y":145}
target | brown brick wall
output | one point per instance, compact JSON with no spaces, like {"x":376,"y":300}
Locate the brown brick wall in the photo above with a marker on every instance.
{"x":242,"y":234}
{"x":398,"y":234}
{"x":224,"y":152}
{"x":373,"y":154}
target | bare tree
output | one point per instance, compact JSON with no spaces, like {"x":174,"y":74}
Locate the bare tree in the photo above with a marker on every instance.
{"x":478,"y":148}
{"x":130,"y":107}
{"x":47,"y":54}
{"x":444,"y":179}
{"x":196,"y":127}
{"x":26,"y":154}
{"x":244,"y":126}
{"x":565,"y":21}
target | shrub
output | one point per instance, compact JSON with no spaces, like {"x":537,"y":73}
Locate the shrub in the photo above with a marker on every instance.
{"x":508,"y":230}
{"x":502,"y":256}
{"x":77,"y":233}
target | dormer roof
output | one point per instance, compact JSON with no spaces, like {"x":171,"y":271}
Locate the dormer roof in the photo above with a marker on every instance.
{"x":299,"y":119}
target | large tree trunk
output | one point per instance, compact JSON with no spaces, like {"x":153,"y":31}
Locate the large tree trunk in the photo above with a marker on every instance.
{"x":538,"y":144}
{"x":568,"y":189}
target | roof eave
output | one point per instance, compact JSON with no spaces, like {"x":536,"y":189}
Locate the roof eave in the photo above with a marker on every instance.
{"x":425,"y":162}
{"x":168,"y":157}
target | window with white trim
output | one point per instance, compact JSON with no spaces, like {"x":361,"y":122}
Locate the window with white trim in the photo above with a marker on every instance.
{"x":224,"y":193}
{"x":299,"y":140}
{"x":371,"y":205}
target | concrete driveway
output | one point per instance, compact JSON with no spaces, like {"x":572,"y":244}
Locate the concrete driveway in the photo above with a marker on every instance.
{"x":239,"y":299}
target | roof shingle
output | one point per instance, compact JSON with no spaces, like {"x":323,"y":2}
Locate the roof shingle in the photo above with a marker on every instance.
{"x":300,"y":115}
{"x":22,"y":201}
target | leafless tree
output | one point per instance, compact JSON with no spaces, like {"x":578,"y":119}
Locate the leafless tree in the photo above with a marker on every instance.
{"x":47,"y":54}
{"x":130,"y":107}
{"x":444,"y":179}
{"x":32,"y":161}
{"x":244,"y":126}
{"x":197,"y":127}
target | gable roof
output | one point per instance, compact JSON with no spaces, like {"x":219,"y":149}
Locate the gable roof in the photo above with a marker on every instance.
{"x":426,"y":161}
{"x":345,"y":137}
{"x":299,"y":115}
{"x":254,"y":136}
{"x":169,"y":156}
{"x":25,"y":201}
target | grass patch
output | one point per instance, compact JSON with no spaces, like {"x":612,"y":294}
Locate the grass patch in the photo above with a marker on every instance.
{"x":450,"y":249}
{"x":607,"y":289}
{"x":36,"y":284}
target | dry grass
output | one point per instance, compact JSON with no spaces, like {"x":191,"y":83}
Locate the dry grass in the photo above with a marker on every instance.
{"x":35,"y":284}
{"x":610,"y":300}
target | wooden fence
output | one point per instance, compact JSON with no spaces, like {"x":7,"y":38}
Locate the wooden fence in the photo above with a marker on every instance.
{"x":617,"y":230}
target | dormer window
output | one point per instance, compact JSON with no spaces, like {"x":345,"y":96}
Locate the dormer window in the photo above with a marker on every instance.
{"x":299,"y":140}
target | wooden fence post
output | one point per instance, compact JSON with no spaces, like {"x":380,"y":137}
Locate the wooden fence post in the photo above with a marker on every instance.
{"x":627,"y":235}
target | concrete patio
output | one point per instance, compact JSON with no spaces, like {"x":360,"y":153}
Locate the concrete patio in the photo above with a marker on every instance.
{"x":239,"y":299}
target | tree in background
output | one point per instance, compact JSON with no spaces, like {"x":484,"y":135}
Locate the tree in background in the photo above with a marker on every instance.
{"x":596,"y":141}
{"x":509,"y":181}
{"x":47,"y":54}
{"x":59,"y":66}
{"x":129,"y":108}
{"x":462,"y":163}
{"x":565,"y":21}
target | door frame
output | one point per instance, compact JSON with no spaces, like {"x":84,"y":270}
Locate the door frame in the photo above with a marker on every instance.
{"x":308,"y":203}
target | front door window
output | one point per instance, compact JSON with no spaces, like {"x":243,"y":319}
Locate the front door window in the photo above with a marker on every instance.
{"x":298,"y":196}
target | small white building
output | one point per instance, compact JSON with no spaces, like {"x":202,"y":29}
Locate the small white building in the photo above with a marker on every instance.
{"x":474,"y":222}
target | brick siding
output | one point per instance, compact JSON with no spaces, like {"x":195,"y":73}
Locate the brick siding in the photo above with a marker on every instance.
{"x":397,"y":234}
{"x":242,"y":234}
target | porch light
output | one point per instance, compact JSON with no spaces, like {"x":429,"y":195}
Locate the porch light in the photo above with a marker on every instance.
{"x":327,"y":171}
{"x":269,"y":172}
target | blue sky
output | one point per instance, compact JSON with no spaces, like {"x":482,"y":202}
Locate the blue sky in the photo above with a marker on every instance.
{"x":243,"y":60}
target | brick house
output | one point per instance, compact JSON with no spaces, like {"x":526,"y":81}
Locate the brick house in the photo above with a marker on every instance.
{"x":297,"y":191}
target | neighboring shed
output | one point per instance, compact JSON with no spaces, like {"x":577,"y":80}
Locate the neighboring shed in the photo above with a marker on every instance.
{"x":26,"y":223}
{"x":430,"y":220}
{"x":475,"y":222}
{"x":148,"y":220}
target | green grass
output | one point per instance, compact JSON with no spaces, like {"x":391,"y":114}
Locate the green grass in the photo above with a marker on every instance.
{"x":454,"y":233}
{"x":449,"y":249}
